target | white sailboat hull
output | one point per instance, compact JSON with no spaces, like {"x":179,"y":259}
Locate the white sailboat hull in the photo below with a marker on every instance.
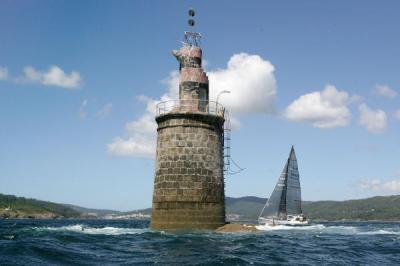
{"x":293,"y":221}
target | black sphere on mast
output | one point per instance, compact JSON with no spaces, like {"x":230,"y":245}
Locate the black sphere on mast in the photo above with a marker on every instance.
{"x":191,"y":20}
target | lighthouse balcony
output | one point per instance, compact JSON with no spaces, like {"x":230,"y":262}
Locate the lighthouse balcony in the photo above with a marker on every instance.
{"x":190,"y":106}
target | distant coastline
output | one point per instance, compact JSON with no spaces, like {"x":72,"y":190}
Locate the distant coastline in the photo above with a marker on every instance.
{"x":381,"y":208}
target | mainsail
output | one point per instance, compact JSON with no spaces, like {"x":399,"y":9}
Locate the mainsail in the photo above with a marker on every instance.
{"x":286,"y":197}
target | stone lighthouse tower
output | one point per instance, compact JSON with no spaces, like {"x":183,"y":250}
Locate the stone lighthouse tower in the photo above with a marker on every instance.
{"x":189,"y":179}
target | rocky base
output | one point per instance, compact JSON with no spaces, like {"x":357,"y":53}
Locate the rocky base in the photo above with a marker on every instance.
{"x":231,"y":228}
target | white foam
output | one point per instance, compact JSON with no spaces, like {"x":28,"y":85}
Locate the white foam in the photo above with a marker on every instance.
{"x":108,"y":230}
{"x":380,"y":232}
{"x":320,"y":228}
{"x":314,"y":228}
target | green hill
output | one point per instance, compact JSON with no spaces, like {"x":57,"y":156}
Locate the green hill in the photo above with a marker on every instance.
{"x":243,"y":208}
{"x":247,"y":207}
{"x":20,"y":207}
{"x":376,"y":208}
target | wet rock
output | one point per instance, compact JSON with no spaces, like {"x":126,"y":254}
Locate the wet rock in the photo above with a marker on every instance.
{"x":230,"y":228}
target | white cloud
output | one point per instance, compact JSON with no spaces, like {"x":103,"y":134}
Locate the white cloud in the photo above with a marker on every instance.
{"x":82,"y":109}
{"x":3,"y":73}
{"x":356,"y":98}
{"x":144,"y":125}
{"x":397,"y":114}
{"x":249,"y":78}
{"x":385,"y":91}
{"x":323,"y":109}
{"x":140,"y":137}
{"x":377,"y":185}
{"x":55,"y":76}
{"x":140,"y":134}
{"x":105,"y":111}
{"x":31,"y":74}
{"x":373,"y":120}
{"x":251,"y":81}
{"x":133,"y":146}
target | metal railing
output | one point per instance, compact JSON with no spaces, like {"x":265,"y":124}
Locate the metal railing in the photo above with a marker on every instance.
{"x":190,"y":106}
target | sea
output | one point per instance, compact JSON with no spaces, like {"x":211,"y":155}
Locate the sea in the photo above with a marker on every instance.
{"x":131,"y":242}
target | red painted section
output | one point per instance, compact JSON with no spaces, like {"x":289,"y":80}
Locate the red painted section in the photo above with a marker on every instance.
{"x":193,"y":74}
{"x":191,"y":51}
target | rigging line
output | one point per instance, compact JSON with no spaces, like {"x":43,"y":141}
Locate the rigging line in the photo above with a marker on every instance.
{"x":240,"y":168}
{"x":231,"y":172}
{"x":234,"y":173}
{"x":265,"y":205}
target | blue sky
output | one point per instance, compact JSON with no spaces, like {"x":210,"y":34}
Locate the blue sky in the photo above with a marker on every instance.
{"x":76,"y":76}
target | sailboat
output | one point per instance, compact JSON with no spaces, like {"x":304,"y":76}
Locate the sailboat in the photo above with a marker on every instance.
{"x":284,"y":205}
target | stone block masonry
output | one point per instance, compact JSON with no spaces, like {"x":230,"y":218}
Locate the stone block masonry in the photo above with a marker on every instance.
{"x":189,"y":181}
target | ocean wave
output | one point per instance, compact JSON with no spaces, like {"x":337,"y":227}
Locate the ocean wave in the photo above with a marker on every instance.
{"x":314,"y":228}
{"x":110,"y":242}
{"x":320,"y":228}
{"x":380,"y":232}
{"x":7,"y":237}
{"x":108,"y":230}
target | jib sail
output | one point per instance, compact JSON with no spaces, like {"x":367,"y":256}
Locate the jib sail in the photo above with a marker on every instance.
{"x":286,"y":197}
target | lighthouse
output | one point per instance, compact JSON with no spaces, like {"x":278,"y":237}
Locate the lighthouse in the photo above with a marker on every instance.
{"x":189,"y":177}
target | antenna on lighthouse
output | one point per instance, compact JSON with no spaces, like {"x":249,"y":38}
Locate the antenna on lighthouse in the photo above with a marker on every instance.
{"x":192,"y":38}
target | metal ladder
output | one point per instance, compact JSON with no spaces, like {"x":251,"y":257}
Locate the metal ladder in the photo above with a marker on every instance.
{"x":227,"y":143}
{"x":227,"y":149}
